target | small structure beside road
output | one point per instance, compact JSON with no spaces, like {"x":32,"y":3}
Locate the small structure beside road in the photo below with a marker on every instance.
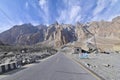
{"x":82,"y":53}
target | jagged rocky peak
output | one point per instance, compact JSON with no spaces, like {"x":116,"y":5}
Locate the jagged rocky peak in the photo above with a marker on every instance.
{"x":116,"y":19}
{"x":78,"y":24}
{"x":24,"y":28}
{"x":41,"y":26}
{"x":23,"y":25}
{"x":56,"y":23}
{"x":59,"y":34}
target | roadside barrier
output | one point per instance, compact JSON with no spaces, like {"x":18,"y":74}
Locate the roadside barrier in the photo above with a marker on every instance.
{"x":7,"y":67}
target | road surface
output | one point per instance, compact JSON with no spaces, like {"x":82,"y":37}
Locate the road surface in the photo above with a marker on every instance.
{"x":58,"y":67}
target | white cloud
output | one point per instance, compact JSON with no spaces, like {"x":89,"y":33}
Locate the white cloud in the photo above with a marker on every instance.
{"x":42,"y":3}
{"x":113,"y":2}
{"x":62,"y":16}
{"x":44,"y":6}
{"x":101,"y":4}
{"x":26,"y":4}
{"x":108,"y":13}
{"x":78,"y":18}
{"x":113,"y":16}
{"x":5,"y":27}
{"x":71,"y":13}
{"x":74,"y":13}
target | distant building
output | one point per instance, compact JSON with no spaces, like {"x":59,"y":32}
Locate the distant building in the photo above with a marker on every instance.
{"x":81,"y":53}
{"x":77,"y":50}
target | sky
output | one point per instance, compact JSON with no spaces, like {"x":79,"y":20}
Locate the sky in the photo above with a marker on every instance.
{"x":16,"y":12}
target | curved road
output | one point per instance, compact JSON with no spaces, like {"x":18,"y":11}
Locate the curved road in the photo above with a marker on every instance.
{"x":58,"y":67}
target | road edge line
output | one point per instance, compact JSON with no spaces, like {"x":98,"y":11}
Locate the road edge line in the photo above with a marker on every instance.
{"x":94,"y":74}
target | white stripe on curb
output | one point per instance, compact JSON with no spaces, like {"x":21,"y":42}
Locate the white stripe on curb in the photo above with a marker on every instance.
{"x":6,"y":67}
{"x":11,"y":66}
{"x":0,"y":69}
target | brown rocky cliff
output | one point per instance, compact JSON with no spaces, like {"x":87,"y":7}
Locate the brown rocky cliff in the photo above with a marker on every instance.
{"x":60,"y":34}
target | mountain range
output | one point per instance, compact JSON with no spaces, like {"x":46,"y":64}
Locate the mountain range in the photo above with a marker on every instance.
{"x":106,"y":33}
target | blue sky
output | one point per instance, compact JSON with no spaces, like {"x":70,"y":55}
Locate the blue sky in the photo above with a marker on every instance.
{"x":15,"y":12}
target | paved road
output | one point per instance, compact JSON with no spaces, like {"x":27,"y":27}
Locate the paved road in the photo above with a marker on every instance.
{"x":58,"y":67}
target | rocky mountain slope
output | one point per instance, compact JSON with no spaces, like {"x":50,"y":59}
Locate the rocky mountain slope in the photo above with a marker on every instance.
{"x":20,"y":34}
{"x":59,"y":34}
{"x":1,"y":43}
{"x":27,"y":34}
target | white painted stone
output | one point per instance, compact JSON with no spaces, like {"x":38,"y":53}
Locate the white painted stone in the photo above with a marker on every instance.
{"x":6,"y":67}
{"x":11,"y":65}
{"x":0,"y":69}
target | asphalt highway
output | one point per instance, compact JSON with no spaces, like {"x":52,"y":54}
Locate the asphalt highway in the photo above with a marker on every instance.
{"x":58,"y":67}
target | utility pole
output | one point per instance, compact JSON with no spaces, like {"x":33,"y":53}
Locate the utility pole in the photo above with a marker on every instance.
{"x":91,"y":34}
{"x":95,"y":44}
